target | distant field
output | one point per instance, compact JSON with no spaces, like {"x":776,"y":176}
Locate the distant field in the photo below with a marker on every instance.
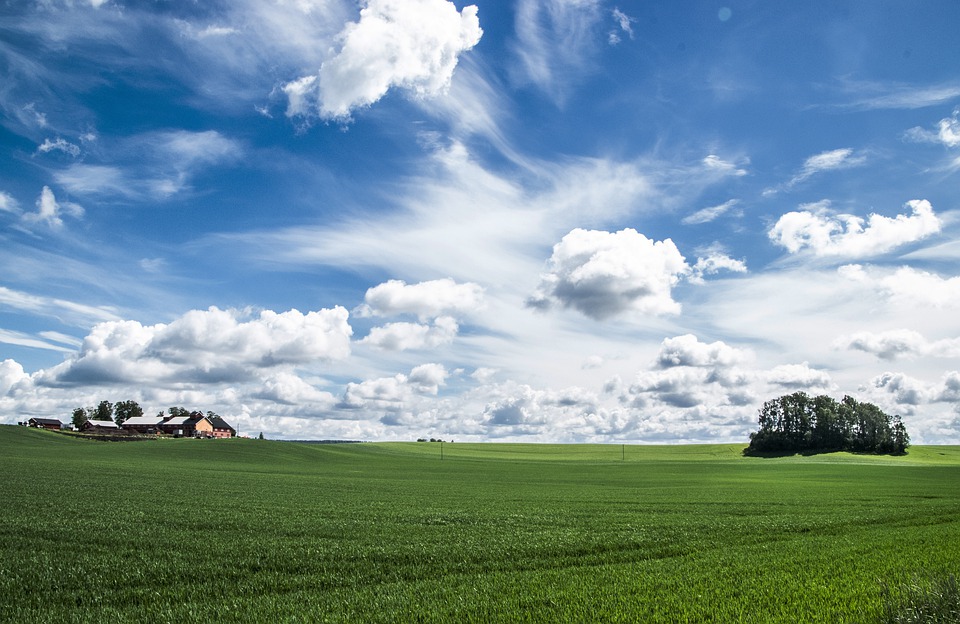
{"x":247,"y":530}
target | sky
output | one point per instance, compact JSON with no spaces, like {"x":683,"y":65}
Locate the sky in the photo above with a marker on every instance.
{"x":539,"y":221}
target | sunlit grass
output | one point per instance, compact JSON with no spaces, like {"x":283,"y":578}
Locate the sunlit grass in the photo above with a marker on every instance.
{"x":244,"y":530}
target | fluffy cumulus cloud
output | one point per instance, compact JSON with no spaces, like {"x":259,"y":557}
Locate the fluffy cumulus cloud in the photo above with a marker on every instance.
{"x":12,"y":376}
{"x":520,"y":408}
{"x":688,"y":373}
{"x":948,"y":132}
{"x":823,"y":233}
{"x":413,"y":45}
{"x":603,"y":274}
{"x":404,"y":336}
{"x":290,"y":389}
{"x":904,"y":389}
{"x":430,"y":299}
{"x":395,"y":393}
{"x":896,"y":343}
{"x":204,"y":346}
{"x":687,"y":350}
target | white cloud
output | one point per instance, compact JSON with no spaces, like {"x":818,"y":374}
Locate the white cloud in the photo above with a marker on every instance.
{"x":397,"y":392}
{"x":185,"y":149}
{"x":715,"y":262}
{"x":706,"y":215}
{"x":895,"y":343}
{"x":625,"y":23}
{"x":12,"y":376}
{"x":427,"y":378}
{"x":290,"y":389}
{"x":205,"y":346}
{"x":298,"y":94}
{"x":68,"y":311}
{"x":162,"y":164}
{"x":603,"y":274}
{"x":413,"y":45}
{"x":948,"y":132}
{"x":59,"y":145}
{"x":831,"y":160}
{"x":715,"y":163}
{"x":906,"y":285}
{"x":905,"y":389}
{"x":849,"y":236}
{"x":520,"y":408}
{"x":885,"y":95}
{"x":430,"y":299}
{"x":23,"y":340}
{"x":49,"y":210}
{"x":406,"y":336}
{"x":687,"y":350}
{"x":798,"y":376}
{"x":8,"y":203}
{"x":554,"y":40}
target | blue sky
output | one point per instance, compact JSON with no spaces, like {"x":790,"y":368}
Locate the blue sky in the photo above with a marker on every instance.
{"x":565,"y":220}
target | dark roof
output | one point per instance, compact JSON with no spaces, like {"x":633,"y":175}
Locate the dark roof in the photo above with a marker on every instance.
{"x":193,"y":420}
{"x":46,"y":421}
{"x":219,"y":423}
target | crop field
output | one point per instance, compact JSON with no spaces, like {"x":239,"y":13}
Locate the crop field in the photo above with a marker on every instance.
{"x":248,"y":530}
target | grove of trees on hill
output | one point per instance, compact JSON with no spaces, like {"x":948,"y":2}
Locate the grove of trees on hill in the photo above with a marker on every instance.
{"x":798,"y":422}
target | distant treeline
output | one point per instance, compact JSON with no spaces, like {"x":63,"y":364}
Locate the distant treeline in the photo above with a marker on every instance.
{"x":798,"y":422}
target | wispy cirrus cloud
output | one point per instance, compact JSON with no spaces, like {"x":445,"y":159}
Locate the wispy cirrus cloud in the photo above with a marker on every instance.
{"x":712,"y":213}
{"x":69,"y":311}
{"x":21,"y":339}
{"x":866,"y":95}
{"x":154,"y":165}
{"x":555,"y":40}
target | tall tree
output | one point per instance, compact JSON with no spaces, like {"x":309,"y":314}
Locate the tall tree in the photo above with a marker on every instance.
{"x":79,"y":417}
{"x":104,"y":411}
{"x":177,"y":412}
{"x":124,"y":410}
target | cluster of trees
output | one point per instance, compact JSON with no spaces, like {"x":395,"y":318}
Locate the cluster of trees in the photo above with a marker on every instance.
{"x":117,"y":412}
{"x":121,"y":411}
{"x":798,"y":422}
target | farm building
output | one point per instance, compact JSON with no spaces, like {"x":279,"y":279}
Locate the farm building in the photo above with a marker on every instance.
{"x":45,"y":423}
{"x":194,"y":425}
{"x":99,"y":425}
{"x":199,"y":426}
{"x":221,"y":429}
{"x":143,"y":424}
{"x":174,"y":426}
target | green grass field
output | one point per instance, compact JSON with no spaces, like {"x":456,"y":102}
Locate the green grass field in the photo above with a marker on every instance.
{"x":247,"y":530}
